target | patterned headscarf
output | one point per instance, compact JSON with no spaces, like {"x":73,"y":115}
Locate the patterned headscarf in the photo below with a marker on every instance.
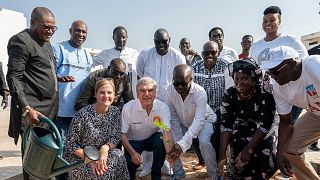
{"x":247,"y":66}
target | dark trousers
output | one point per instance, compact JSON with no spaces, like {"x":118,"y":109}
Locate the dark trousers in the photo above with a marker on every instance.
{"x":215,"y":139}
{"x":153,"y":143}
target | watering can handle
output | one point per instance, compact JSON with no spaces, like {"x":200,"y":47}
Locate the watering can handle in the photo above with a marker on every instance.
{"x":54,"y":128}
{"x":51,"y":124}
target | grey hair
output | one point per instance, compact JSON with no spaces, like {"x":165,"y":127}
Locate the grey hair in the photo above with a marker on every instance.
{"x":146,"y":80}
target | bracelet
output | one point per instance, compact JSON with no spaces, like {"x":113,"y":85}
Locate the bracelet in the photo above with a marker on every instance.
{"x":25,"y":112}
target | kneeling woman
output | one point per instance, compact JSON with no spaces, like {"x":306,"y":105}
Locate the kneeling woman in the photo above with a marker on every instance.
{"x":247,"y":113}
{"x":97,"y":125}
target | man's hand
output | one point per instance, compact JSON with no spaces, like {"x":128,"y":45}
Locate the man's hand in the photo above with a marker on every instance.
{"x":66,"y":79}
{"x":283,"y":164}
{"x":222,"y":167}
{"x":4,"y":102}
{"x":136,"y":158}
{"x":32,"y":116}
{"x":174,"y":153}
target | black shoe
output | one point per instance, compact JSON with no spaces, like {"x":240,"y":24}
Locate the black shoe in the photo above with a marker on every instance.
{"x":314,"y":147}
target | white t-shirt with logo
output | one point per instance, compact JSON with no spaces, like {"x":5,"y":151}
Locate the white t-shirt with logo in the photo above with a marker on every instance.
{"x":259,"y":49}
{"x":304,"y":92}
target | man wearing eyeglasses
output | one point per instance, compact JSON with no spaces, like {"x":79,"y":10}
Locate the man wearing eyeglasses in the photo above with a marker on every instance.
{"x":31,"y":74}
{"x":191,"y":117}
{"x":297,"y":83}
{"x":128,"y":55}
{"x":216,"y":34}
{"x":73,"y":66}
{"x":117,"y":71}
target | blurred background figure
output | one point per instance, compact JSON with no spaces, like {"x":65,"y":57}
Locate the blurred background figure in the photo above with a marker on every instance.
{"x":191,"y":56}
{"x":246,"y":43}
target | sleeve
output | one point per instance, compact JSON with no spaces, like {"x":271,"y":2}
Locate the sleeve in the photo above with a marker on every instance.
{"x":227,"y":112}
{"x":268,"y":108}
{"x":98,"y":59}
{"x":86,"y":92}
{"x":3,"y":86}
{"x":166,"y":116}
{"x":74,"y":136}
{"x":283,"y":107}
{"x":228,"y":80}
{"x":57,"y":54}
{"x":18,"y":57}
{"x":127,"y":94}
{"x":176,"y":130}
{"x":140,"y":64}
{"x":197,"y":123}
{"x":299,"y":47}
{"x":234,"y":54}
{"x":125,"y":118}
{"x":116,"y":129}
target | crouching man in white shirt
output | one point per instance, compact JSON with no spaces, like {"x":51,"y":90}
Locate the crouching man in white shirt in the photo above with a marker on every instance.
{"x":297,"y":84}
{"x":139,"y":133}
{"x":190,"y":117}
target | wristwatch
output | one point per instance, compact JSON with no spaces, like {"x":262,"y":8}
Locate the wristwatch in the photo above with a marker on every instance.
{"x":26,"y":111}
{"x":250,"y":150}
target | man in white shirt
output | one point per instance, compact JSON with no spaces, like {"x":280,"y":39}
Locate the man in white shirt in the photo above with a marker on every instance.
{"x":297,"y":84}
{"x":158,"y":62}
{"x":128,"y":55}
{"x":216,"y":34}
{"x":190,"y":117}
{"x":139,"y":132}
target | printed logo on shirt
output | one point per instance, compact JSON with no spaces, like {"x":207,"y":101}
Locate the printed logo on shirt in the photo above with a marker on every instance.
{"x":263,"y":56}
{"x":311,"y":90}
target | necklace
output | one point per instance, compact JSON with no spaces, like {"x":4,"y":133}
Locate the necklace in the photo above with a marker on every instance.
{"x":247,"y":96}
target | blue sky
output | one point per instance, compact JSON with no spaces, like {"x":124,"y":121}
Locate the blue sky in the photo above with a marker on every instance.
{"x":182,"y":18}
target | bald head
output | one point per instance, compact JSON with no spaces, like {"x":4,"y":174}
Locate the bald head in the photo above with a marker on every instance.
{"x":78,"y":33}
{"x":117,"y":63}
{"x":182,"y":70}
{"x":210,"y":45}
{"x":78,"y":23}
{"x":161,"y":41}
{"x":40,"y":12}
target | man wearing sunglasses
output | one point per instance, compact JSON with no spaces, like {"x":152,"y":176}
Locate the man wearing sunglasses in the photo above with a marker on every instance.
{"x":31,"y":74}
{"x":191,"y":117}
{"x":297,"y":84}
{"x":212,"y":75}
{"x":117,"y":71}
{"x":158,"y":63}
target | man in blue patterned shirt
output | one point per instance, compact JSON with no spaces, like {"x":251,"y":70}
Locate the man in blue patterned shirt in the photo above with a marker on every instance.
{"x":212,"y":75}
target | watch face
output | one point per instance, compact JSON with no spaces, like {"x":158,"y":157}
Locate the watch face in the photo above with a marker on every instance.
{"x":250,"y":151}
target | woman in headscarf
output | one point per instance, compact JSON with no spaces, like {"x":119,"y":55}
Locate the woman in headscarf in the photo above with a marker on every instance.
{"x":247,"y":113}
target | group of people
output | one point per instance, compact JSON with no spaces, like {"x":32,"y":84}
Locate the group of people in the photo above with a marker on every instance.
{"x":210,"y":100}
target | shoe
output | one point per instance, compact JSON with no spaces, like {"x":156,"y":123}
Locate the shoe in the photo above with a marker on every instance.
{"x":166,"y":167}
{"x":314,"y":147}
{"x":144,"y":172}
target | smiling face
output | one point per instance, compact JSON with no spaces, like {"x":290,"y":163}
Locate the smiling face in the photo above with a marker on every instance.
{"x":271,"y":23}
{"x":146,"y":93}
{"x":78,"y":32}
{"x":120,"y":38}
{"x":210,"y":54}
{"x":161,"y":41}
{"x":246,"y":43}
{"x":243,"y":83}
{"x":43,"y":28}
{"x":105,"y":95}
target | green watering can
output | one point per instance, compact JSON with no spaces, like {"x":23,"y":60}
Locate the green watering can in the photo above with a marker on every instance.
{"x":43,"y":152}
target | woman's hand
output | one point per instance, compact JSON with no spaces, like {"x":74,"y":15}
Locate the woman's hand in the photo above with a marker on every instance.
{"x":243,"y":158}
{"x":98,"y":168}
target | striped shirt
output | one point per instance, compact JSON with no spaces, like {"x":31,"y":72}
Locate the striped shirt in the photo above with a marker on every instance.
{"x":212,"y":81}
